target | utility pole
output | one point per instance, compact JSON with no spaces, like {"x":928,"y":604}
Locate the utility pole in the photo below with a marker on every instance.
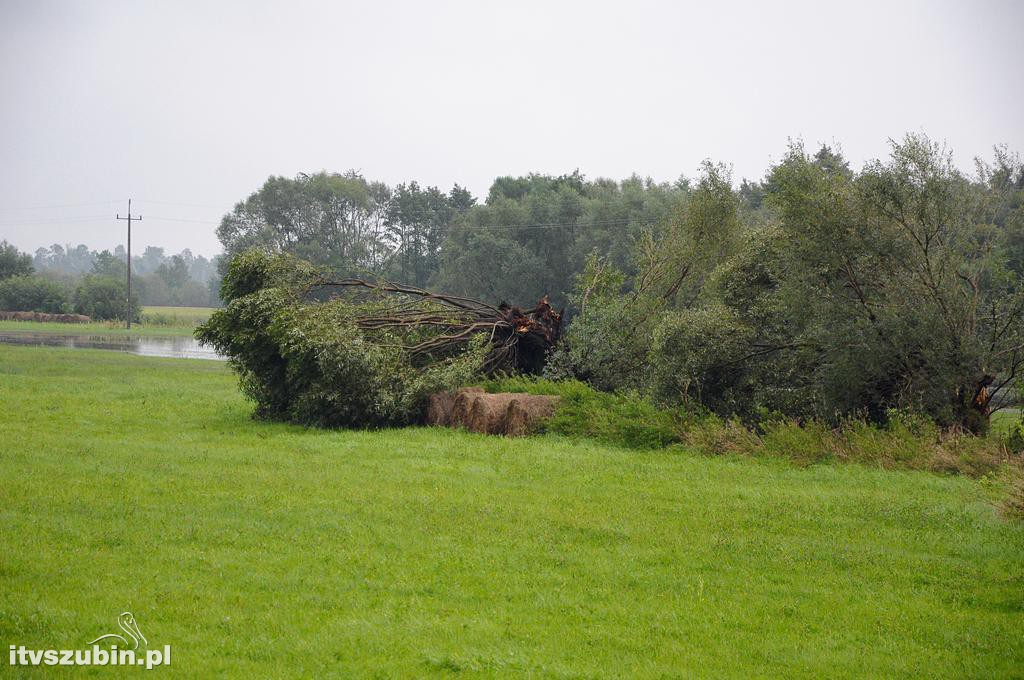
{"x":128,"y":300}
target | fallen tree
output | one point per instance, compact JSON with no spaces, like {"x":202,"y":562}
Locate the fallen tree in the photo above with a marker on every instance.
{"x":518,"y":339}
{"x":350,"y":352}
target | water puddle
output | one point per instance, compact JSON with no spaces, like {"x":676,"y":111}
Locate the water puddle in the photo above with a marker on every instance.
{"x":170,"y":347}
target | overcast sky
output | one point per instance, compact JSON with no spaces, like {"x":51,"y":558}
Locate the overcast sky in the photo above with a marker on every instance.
{"x":187,"y":107}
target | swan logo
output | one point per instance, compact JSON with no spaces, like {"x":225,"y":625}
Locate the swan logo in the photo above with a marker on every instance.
{"x":127,"y":623}
{"x":121,"y":652}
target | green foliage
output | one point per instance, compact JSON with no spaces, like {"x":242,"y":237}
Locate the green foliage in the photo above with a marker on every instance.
{"x":608,"y":344}
{"x":622,"y":419}
{"x":110,"y":265}
{"x":182,"y":317}
{"x":306,"y":361}
{"x":344,"y":222}
{"x":103,"y":297}
{"x":907,"y":441}
{"x":13,"y":262}
{"x":860,"y":293}
{"x":25,"y":293}
{"x":696,"y":355}
{"x":1015,"y":437}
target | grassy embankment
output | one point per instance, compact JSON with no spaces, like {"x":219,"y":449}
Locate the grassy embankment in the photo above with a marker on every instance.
{"x":267,"y":550}
{"x":156,"y":321}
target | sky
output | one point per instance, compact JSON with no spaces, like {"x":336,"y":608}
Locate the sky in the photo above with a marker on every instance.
{"x":187,"y":107}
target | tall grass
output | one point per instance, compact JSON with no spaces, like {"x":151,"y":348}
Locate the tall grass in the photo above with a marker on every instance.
{"x":175,"y":316}
{"x":906,"y":442}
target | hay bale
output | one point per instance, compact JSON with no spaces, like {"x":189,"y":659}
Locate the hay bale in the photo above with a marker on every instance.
{"x":509,"y":413}
{"x":439,"y":408}
{"x":462,"y":405}
{"x":516,"y":421}
{"x":44,"y":317}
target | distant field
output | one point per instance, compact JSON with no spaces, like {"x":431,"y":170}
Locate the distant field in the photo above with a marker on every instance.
{"x":156,"y":321}
{"x":176,"y":316}
{"x":266,"y":550}
{"x":96,"y":328}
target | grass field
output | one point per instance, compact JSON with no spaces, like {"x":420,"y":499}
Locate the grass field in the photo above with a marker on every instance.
{"x":176,"y":316}
{"x":266,"y":550}
{"x":156,"y":321}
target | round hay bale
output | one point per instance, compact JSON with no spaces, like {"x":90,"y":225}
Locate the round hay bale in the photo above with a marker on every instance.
{"x":439,"y":408}
{"x":509,"y":413}
{"x":462,"y":406}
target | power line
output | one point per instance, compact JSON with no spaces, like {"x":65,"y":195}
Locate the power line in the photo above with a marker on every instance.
{"x":61,"y":205}
{"x":54,"y":220}
{"x":181,"y":219}
{"x":186,"y":205}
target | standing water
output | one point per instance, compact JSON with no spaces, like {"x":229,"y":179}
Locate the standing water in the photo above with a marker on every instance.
{"x":172,"y":347}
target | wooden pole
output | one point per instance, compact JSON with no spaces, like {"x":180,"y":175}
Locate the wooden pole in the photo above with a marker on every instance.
{"x":128,"y":299}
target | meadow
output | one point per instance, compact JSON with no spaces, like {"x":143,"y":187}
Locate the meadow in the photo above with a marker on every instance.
{"x":268,"y":550}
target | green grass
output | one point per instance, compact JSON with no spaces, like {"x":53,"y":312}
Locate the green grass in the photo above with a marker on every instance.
{"x":156,"y":321}
{"x":1005,"y":420}
{"x":176,"y":316}
{"x":267,"y":550}
{"x":615,"y":419}
{"x":95,"y":328}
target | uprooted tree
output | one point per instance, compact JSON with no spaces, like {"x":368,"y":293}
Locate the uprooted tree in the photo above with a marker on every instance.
{"x":349,"y":352}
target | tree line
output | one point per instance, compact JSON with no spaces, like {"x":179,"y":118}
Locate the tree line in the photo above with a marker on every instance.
{"x":65,"y":279}
{"x":817,"y":292}
{"x":528,"y":238}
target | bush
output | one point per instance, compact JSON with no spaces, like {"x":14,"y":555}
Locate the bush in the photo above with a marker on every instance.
{"x":697,"y":355}
{"x":623,"y":419}
{"x":103,"y":297}
{"x":32,"y":294}
{"x":307,"y":361}
{"x":907,"y":441}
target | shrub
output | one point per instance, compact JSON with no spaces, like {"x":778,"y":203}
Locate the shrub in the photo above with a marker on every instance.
{"x":103,"y":297}
{"x":32,"y":294}
{"x":621,"y":419}
{"x":697,"y":355}
{"x":307,"y":361}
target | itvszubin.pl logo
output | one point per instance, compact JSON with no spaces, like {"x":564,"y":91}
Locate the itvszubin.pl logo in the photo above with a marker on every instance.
{"x":118,"y":650}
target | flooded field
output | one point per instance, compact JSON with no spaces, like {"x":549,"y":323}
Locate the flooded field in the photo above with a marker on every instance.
{"x":171,"y":347}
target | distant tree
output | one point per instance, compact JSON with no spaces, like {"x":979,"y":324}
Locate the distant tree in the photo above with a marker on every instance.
{"x":103,"y":297}
{"x":13,"y":262}
{"x":174,"y":272}
{"x":108,"y":264}
{"x":147,"y":263}
{"x":832,"y":161}
{"x":58,"y":259}
{"x":418,"y":222}
{"x":550,"y":225}
{"x":328,"y":219}
{"x":25,"y":293}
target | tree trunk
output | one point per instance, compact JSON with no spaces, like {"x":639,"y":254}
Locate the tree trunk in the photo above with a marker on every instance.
{"x":976,"y":414}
